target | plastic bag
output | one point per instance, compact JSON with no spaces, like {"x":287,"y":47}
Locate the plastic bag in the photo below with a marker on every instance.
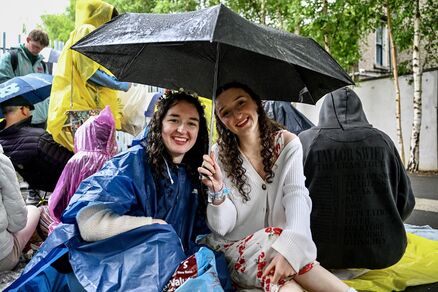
{"x":418,"y":266}
{"x":134,"y":104}
{"x":196,"y":273}
{"x":94,"y":144}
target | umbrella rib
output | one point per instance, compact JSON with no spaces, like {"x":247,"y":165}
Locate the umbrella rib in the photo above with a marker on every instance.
{"x":127,"y":65}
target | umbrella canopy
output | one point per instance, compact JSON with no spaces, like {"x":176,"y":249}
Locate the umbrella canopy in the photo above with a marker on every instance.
{"x":205,"y":49}
{"x":35,"y":87}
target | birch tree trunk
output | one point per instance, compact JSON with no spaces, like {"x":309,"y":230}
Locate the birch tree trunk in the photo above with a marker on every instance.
{"x":414,"y":153}
{"x":396,"y":85}
{"x":326,"y":37}
{"x":263,"y":12}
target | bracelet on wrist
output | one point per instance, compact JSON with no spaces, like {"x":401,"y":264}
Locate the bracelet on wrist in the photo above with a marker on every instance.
{"x":217,"y":196}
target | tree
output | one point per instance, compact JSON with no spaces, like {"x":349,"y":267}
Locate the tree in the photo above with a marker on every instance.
{"x":396,"y":82}
{"x":155,"y":6}
{"x":59,"y":26}
{"x":417,"y":75}
{"x":339,"y":26}
{"x":417,"y":32}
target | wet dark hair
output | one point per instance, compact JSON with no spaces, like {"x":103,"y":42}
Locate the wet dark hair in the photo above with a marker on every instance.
{"x":156,"y":150}
{"x":229,"y":153}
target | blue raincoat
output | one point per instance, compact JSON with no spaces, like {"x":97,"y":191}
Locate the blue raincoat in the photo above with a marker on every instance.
{"x":143,"y":257}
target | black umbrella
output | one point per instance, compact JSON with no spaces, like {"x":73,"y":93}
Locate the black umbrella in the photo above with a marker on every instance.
{"x":204,"y":49}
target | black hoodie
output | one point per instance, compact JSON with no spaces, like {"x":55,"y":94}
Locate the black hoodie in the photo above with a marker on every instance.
{"x":359,"y":188}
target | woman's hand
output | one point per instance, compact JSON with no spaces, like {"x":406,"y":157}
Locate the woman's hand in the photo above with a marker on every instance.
{"x":211,"y":173}
{"x":278,"y":269}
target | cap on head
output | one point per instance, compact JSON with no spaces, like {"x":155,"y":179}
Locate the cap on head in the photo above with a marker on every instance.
{"x":17,"y":101}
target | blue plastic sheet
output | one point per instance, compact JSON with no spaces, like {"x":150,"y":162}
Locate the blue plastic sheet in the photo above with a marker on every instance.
{"x":143,"y":257}
{"x":207,"y":279}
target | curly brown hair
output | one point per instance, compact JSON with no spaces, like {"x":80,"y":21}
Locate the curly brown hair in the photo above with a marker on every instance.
{"x":156,"y":151}
{"x":228,"y":143}
{"x":38,"y":35}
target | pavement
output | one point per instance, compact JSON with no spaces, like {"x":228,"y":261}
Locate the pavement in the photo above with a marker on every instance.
{"x":425,"y":187}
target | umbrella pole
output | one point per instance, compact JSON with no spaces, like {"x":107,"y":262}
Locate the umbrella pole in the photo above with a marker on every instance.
{"x":213,"y":97}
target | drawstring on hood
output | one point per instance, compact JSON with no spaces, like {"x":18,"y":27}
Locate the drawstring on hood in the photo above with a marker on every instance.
{"x":168,"y":171}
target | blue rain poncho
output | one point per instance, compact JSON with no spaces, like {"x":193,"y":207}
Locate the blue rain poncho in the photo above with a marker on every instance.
{"x":143,"y":257}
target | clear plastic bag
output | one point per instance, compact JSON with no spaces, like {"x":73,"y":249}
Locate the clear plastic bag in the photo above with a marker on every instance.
{"x":134,"y":104}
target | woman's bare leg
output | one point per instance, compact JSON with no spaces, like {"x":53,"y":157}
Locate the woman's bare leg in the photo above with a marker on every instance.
{"x":33,"y":218}
{"x":319,"y":279}
{"x":291,"y":286}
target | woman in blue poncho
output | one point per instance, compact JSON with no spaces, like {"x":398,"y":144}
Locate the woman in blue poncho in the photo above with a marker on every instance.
{"x":109,"y":237}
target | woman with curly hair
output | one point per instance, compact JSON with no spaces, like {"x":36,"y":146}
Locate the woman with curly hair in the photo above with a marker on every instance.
{"x":112,"y":239}
{"x":173,"y":149}
{"x":259,"y":208}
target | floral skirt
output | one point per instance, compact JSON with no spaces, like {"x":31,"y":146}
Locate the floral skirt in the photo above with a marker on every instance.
{"x":248,"y":257}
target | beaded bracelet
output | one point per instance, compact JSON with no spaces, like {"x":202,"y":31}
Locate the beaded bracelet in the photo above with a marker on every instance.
{"x":219,"y":195}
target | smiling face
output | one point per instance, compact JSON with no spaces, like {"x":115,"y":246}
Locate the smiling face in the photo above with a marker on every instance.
{"x":237,"y":111}
{"x":180,"y":129}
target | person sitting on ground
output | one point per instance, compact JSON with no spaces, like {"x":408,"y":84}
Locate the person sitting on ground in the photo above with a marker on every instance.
{"x":34,"y":154}
{"x":24,"y":60}
{"x":95,"y":143}
{"x":259,"y":208}
{"x":17,"y":221}
{"x":360,"y":190}
{"x":147,"y":202}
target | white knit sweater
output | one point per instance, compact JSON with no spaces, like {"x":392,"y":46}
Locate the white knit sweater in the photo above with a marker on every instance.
{"x":284,"y":203}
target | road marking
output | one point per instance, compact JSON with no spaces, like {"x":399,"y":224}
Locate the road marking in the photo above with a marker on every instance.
{"x":426,"y":205}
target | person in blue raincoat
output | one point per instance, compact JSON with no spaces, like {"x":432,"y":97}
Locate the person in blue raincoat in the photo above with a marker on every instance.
{"x":109,"y":237}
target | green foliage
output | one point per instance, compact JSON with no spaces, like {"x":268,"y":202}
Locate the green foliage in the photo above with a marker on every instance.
{"x":59,"y":26}
{"x":404,"y":32}
{"x":404,"y":67}
{"x":340,"y":25}
{"x":140,"y":6}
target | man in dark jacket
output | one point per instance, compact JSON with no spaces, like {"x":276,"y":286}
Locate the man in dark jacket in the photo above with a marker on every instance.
{"x":33,"y":152}
{"x":359,"y":188}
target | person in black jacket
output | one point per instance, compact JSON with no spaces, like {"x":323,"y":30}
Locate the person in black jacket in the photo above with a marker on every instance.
{"x":33,"y":152}
{"x":360,"y":190}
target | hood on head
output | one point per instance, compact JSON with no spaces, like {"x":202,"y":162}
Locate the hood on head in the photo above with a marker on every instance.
{"x":97,"y":134}
{"x":94,"y":12}
{"x":342,"y":109}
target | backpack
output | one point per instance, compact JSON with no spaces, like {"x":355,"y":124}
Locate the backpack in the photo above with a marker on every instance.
{"x":14,"y":60}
